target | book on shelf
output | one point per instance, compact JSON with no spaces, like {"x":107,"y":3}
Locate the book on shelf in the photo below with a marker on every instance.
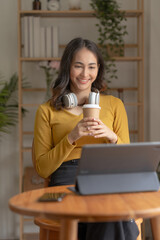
{"x":55,"y":42}
{"x":36,"y":37}
{"x":26,"y":36}
{"x":31,"y":54}
{"x":48,"y":42}
{"x":42,"y":42}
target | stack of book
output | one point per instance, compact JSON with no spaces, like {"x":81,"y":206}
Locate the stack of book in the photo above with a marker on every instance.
{"x":40,"y":42}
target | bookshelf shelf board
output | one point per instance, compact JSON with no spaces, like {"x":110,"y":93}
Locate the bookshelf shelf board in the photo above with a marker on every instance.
{"x":27,"y":132}
{"x":27,"y":105}
{"x":128,"y":59}
{"x":26,"y":149}
{"x":133,"y":104}
{"x":109,"y":89}
{"x":73,"y":13}
{"x":34,"y":90}
{"x":119,"y":89}
{"x":61,"y":14}
{"x":38,"y":59}
{"x":31,"y":133}
{"x":133,"y":131}
{"x":118,"y":59}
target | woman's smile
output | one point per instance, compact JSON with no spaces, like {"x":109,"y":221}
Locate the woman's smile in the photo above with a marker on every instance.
{"x":83,"y":81}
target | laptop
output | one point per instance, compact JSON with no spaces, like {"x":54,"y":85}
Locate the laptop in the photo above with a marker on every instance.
{"x":110,"y":168}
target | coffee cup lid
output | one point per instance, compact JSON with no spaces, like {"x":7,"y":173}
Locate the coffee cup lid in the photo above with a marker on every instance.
{"x":91,"y":106}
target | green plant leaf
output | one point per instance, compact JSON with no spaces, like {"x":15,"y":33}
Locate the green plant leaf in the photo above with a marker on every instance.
{"x":8,"y":103}
{"x":111,"y":29}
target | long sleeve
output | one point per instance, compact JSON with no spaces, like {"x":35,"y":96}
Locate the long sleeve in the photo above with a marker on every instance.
{"x":120,"y":123}
{"x":48,"y":156}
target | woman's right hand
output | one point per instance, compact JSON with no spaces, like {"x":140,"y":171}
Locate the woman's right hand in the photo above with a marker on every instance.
{"x":81,"y":129}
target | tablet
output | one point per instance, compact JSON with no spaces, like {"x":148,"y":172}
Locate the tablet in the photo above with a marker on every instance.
{"x":112,"y":168}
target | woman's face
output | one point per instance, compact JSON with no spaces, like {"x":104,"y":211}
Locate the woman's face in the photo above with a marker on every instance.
{"x":83,"y":71}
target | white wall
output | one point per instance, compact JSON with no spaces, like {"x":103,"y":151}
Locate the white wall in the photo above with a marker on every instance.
{"x":8,"y":143}
{"x":154,"y":75}
{"x":8,"y":65}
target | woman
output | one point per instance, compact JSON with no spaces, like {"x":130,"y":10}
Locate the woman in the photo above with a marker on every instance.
{"x":60,"y":130}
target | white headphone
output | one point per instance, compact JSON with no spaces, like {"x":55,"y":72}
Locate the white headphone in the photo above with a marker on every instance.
{"x":70,"y":99}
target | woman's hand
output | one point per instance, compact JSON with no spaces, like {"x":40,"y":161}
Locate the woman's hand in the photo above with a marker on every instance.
{"x":101,"y":130}
{"x":91,"y":127}
{"x":81,"y":129}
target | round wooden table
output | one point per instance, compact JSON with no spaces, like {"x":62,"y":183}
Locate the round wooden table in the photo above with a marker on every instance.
{"x":74,"y":208}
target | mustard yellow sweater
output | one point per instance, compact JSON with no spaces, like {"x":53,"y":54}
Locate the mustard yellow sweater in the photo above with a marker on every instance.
{"x":52,"y":127}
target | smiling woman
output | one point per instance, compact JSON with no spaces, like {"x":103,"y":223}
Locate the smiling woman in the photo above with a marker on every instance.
{"x":61,"y":131}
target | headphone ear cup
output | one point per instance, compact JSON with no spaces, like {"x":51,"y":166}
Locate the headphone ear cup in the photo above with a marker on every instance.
{"x":93,"y":98}
{"x":74,"y":101}
{"x":97,"y":98}
{"x":70,"y":100}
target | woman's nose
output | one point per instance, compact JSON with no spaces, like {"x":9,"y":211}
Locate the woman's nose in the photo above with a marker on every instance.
{"x":84,"y":72}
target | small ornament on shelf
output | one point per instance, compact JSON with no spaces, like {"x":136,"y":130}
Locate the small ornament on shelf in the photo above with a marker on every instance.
{"x":74,"y":4}
{"x":36,"y":5}
{"x":53,"y":5}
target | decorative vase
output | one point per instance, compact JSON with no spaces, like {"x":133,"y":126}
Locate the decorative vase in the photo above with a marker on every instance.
{"x":36,"y":5}
{"x":74,"y":4}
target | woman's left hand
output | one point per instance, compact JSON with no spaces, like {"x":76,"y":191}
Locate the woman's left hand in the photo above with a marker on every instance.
{"x":101,"y":130}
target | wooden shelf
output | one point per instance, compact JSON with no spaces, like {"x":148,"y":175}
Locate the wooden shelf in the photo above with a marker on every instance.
{"x":61,"y":14}
{"x":109,"y":89}
{"x":118,"y":59}
{"x":34,"y":89}
{"x":25,"y":105}
{"x":121,"y":89}
{"x":127,"y":59}
{"x":31,"y":133}
{"x":73,"y":13}
{"x":29,"y":149}
{"x":26,"y":149}
{"x":133,"y":104}
{"x":27,"y":132}
{"x":133,"y":132}
{"x":133,"y":13}
{"x":38,"y":59}
{"x":128,"y":45}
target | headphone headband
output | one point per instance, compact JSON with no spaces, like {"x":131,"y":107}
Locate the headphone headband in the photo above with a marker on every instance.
{"x":70,"y":99}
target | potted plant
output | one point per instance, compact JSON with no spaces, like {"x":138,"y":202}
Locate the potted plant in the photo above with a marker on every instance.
{"x":111,"y":29}
{"x":8,"y":103}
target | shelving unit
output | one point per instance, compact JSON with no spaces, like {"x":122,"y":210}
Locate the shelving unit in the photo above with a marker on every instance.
{"x":139,"y":89}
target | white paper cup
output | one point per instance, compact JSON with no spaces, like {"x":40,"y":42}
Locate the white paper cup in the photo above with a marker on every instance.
{"x":91,"y":110}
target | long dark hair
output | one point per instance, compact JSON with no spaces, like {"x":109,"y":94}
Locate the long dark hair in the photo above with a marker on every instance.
{"x":62,"y":83}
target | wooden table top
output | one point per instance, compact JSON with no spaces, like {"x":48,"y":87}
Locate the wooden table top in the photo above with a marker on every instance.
{"x":107,"y":207}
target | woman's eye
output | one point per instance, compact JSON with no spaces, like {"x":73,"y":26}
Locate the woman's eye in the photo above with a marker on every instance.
{"x":91,"y":67}
{"x":78,"y":66}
